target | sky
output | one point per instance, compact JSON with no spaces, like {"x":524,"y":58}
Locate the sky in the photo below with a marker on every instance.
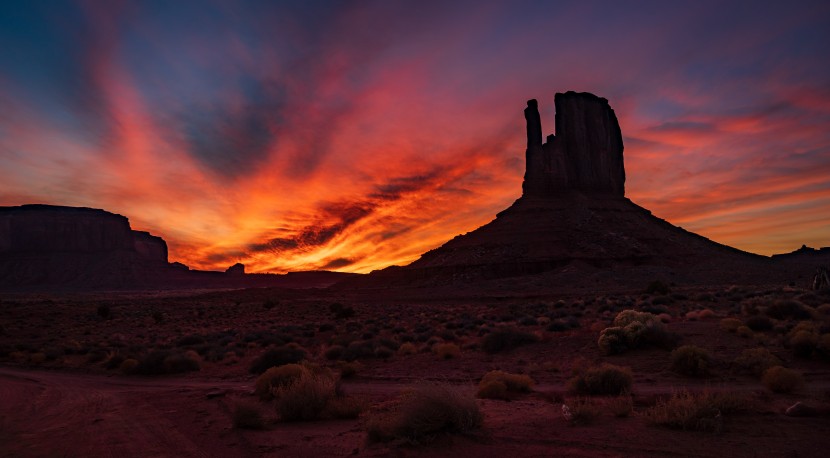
{"x":353,"y":135}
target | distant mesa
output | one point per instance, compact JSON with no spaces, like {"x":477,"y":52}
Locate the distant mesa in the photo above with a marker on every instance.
{"x":85,"y":248}
{"x":236,"y":269}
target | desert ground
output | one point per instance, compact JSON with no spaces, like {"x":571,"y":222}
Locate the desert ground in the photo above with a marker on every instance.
{"x":392,"y":373}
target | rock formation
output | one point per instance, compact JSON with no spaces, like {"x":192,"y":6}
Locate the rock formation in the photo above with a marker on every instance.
{"x":236,"y":269}
{"x":585,"y":154}
{"x":573,"y":223}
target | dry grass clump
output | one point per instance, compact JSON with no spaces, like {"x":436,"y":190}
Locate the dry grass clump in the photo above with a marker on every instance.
{"x":248,"y":415}
{"x":426,"y":411}
{"x":603,"y":379}
{"x":731,"y":324}
{"x":580,"y":411}
{"x":756,"y":361}
{"x":500,"y":384}
{"x":745,"y":332}
{"x":286,"y":354}
{"x":275,"y":377}
{"x":694,"y":412}
{"x":304,"y":398}
{"x":164,"y":362}
{"x":632,"y":329}
{"x":407,"y":348}
{"x":691,"y":360}
{"x":779,"y":379}
{"x":507,"y":339}
{"x":621,"y":406}
{"x":446,"y":350}
{"x":803,"y":339}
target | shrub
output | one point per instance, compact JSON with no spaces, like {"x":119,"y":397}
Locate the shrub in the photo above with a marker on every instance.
{"x":782,"y":380}
{"x":446,"y":350}
{"x":621,"y":406}
{"x":506,"y":339}
{"x":275,"y":377}
{"x":428,"y":410}
{"x":756,"y":361}
{"x":286,"y":354}
{"x":407,"y":348}
{"x":128,"y":366}
{"x":163,"y":362}
{"x":248,"y":415}
{"x":580,"y":411}
{"x":343,"y":407}
{"x":492,"y":390}
{"x":696,"y":412}
{"x":690,"y":360}
{"x":803,"y":343}
{"x":759,"y":323}
{"x":334,"y":352}
{"x":632,"y":329}
{"x":603,"y":379}
{"x":303,"y":398}
{"x":349,"y":369}
{"x":341,"y":311}
{"x":498,"y":385}
{"x":745,"y":332}
{"x":730,"y":324}
{"x":657,"y":287}
{"x":784,"y":309}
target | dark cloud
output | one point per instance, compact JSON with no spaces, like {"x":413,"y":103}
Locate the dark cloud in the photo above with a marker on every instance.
{"x":338,"y":263}
{"x":684,"y":126}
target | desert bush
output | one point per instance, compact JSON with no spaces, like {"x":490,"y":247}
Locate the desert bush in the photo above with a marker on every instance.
{"x":128,"y":366}
{"x":446,"y":350}
{"x":248,"y":415}
{"x":621,"y":406}
{"x":657,"y":287}
{"x":779,"y":379}
{"x":804,"y":343}
{"x":506,"y":339}
{"x":276,"y":376}
{"x":407,"y":348}
{"x":344,"y":407}
{"x":756,"y":361}
{"x":164,"y":362}
{"x":823,"y":345}
{"x":603,"y":379}
{"x":493,"y":390}
{"x":334,"y":352}
{"x":691,"y":360}
{"x":745,"y":332}
{"x":759,"y":323}
{"x":498,"y":385}
{"x":730,"y":324}
{"x":580,"y":411}
{"x":695,"y":412}
{"x":286,"y":354}
{"x":788,"y":308}
{"x":427,"y":410}
{"x":305,"y":397}
{"x":632,"y":329}
{"x":341,"y":311}
{"x":349,"y":369}
{"x":823,"y":309}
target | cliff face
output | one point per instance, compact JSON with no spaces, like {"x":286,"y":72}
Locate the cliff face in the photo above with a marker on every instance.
{"x":585,"y":154}
{"x":53,"y":245}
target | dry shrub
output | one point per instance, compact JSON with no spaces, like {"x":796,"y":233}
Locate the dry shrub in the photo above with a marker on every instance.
{"x":507,"y":339}
{"x":248,"y":415}
{"x":691,"y":360}
{"x":164,"y":362}
{"x":695,"y":412}
{"x":427,"y":410}
{"x":446,"y":350}
{"x":344,"y":407}
{"x":275,"y":377}
{"x":304,"y":398}
{"x":580,"y":411}
{"x":128,"y":366}
{"x":632,"y":329}
{"x":37,"y":358}
{"x":499,"y":384}
{"x":803,"y":339}
{"x":745,"y":332}
{"x":603,"y":379}
{"x":731,"y":324}
{"x":756,"y":361}
{"x":286,"y":354}
{"x":349,"y":369}
{"x":705,"y":314}
{"x":779,"y":379}
{"x":621,"y":406}
{"x":407,"y":348}
{"x":789,"y":308}
{"x":492,"y":390}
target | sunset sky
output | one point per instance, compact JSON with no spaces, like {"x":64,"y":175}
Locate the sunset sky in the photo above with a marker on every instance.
{"x":351,"y":135}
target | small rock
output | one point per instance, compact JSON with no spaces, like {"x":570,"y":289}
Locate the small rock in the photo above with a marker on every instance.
{"x":800,"y":410}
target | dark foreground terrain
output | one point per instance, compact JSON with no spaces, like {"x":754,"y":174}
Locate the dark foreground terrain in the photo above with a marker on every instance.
{"x":694,"y":373}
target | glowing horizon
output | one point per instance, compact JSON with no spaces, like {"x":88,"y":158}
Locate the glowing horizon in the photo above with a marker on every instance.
{"x":355,"y":136}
